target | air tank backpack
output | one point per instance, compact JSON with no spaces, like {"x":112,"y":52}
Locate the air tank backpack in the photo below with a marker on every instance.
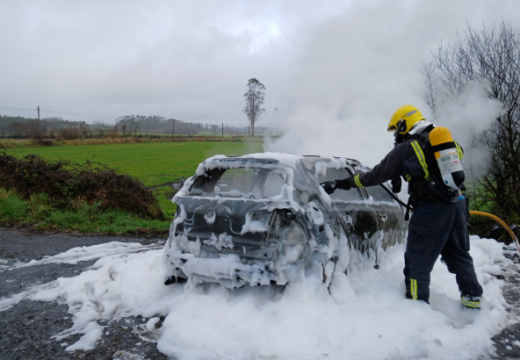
{"x":443,"y":158}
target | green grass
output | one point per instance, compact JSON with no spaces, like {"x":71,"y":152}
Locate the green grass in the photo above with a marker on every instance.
{"x":164,"y":195}
{"x":84,"y":218}
{"x":153,"y":163}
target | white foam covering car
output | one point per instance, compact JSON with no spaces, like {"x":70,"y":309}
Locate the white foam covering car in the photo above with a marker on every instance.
{"x":263,"y":219}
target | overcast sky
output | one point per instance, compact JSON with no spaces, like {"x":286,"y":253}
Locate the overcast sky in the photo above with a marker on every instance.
{"x":334,"y":70}
{"x":185,"y":59}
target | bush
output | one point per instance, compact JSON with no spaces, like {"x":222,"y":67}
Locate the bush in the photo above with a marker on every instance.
{"x":68,"y":184}
{"x":68,"y":134}
{"x":40,"y":214}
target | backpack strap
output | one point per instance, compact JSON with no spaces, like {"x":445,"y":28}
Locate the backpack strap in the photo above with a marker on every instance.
{"x":422,"y":148}
{"x":421,"y":157}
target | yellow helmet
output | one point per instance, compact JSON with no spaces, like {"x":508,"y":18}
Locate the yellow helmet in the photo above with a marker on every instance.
{"x":404,"y":119}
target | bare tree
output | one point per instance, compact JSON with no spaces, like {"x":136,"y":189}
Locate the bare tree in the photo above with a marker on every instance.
{"x":17,"y":129}
{"x":34,"y":130}
{"x":113,"y":132}
{"x":30,"y":129}
{"x":432,"y":94}
{"x":490,"y":57}
{"x":71,"y":133}
{"x":85,"y":130}
{"x":254,"y":99}
{"x":101,"y":128}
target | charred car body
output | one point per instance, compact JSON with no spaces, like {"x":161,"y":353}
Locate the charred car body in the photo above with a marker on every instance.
{"x":264,"y":219}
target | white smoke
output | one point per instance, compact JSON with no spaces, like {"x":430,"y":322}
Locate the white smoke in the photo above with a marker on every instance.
{"x":467,"y":116}
{"x":358,"y":68}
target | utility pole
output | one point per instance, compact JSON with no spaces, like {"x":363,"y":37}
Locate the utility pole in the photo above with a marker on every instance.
{"x":39,"y":126}
{"x":222,"y":129}
{"x":173,"y":129}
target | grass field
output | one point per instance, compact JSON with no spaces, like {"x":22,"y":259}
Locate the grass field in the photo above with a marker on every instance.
{"x":153,"y":163}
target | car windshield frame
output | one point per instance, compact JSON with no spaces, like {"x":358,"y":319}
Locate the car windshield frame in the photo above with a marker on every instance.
{"x":206,"y":184}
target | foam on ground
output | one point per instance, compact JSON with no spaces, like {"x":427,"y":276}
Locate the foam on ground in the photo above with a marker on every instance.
{"x":365,"y":317}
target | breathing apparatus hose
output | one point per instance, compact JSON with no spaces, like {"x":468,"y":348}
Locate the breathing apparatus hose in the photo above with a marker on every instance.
{"x":393,"y":195}
{"x":504,"y":225}
{"x":472,"y":212}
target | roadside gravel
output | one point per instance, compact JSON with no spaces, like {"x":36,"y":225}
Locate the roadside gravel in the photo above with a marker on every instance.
{"x":507,"y":343}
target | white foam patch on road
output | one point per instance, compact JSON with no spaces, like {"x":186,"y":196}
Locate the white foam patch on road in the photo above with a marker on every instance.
{"x":367,"y":316}
{"x":71,"y":256}
{"x":86,"y":253}
{"x":9,"y":301}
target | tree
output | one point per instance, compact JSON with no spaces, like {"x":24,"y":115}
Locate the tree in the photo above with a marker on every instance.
{"x":124,"y":126}
{"x":490,"y":57}
{"x":254,"y":99}
{"x":34,"y":130}
{"x":16,"y":129}
{"x":113,"y":132}
{"x":85,"y":130}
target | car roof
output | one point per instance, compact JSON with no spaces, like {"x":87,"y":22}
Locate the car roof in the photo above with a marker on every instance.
{"x":272,"y":159}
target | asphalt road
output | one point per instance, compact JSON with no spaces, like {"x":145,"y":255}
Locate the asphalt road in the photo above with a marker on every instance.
{"x":27,"y":328}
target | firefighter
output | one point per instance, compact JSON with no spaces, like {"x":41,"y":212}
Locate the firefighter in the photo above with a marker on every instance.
{"x":439,"y":224}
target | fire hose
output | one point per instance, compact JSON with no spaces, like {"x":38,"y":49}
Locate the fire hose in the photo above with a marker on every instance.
{"x":472,"y":212}
{"x":504,"y":225}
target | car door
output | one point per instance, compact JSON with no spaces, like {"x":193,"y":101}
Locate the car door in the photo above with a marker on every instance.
{"x":353,"y":212}
{"x":390,"y":214}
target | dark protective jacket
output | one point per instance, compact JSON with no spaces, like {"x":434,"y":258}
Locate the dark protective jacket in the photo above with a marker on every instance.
{"x":407,"y":160}
{"x":401,"y":161}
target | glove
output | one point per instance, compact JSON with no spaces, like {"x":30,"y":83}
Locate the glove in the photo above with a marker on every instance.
{"x":343,"y":184}
{"x":396,"y":185}
{"x":329,"y":186}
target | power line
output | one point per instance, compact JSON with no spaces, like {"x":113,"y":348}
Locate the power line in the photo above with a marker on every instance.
{"x":19,"y":109}
{"x":93,"y":116}
{"x":61,"y":112}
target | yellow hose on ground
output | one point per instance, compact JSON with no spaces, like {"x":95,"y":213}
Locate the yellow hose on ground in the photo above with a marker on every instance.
{"x":504,"y":225}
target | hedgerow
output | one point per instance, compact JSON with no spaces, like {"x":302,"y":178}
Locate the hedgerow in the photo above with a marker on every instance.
{"x":67,"y":184}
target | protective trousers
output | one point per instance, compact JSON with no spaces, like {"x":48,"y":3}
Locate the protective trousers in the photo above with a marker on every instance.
{"x":439,"y":228}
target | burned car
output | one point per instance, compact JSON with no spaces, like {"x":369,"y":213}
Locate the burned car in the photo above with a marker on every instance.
{"x":264,"y":219}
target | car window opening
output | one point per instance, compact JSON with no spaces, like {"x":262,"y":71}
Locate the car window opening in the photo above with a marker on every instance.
{"x":340,"y":194}
{"x":239,"y":183}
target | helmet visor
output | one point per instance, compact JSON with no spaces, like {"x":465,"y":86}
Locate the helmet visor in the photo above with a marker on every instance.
{"x":393,"y":128}
{"x":398,"y":127}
